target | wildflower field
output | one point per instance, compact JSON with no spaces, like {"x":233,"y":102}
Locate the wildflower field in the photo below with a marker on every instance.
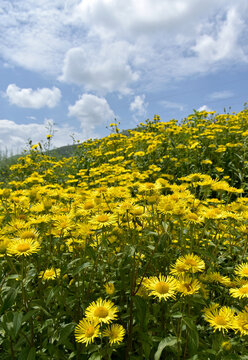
{"x":133,"y":248}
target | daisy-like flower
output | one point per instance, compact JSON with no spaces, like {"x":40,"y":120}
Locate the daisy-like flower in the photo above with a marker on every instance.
{"x":188,"y":286}
{"x":189,"y":262}
{"x":216,"y":277}
{"x":240,"y":293}
{"x":242,"y":270}
{"x":86,"y":331}
{"x":241,"y":322}
{"x":49,"y":274}
{"x":103,"y":311}
{"x":162,"y":287}
{"x":23,"y":247}
{"x":110,"y":288}
{"x":115,"y":332}
{"x":28,"y":234}
{"x":101,"y":220}
{"x":178,"y":269}
{"x":220,"y":318}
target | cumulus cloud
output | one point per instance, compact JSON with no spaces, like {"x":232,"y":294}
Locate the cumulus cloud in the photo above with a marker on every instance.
{"x":223,"y":44}
{"x":139,"y":106}
{"x":100,"y":67}
{"x":34,"y":99}
{"x":91,"y":111}
{"x":103,"y":43}
{"x":14,"y":136}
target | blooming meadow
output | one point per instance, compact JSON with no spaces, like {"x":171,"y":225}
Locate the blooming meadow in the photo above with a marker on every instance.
{"x":133,"y":248}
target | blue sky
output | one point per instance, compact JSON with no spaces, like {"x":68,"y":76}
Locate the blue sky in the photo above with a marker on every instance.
{"x":79,"y":64}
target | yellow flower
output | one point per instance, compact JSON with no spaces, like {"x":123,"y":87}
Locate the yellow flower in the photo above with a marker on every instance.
{"x":103,"y":311}
{"x":241,"y":322}
{"x":86,"y":331}
{"x":189,"y":262}
{"x":241,"y":270}
{"x":49,"y":274}
{"x":115,"y":332}
{"x":101,"y":220}
{"x":162,"y":287}
{"x":110,"y":288}
{"x":221,"y":319}
{"x":188,"y":286}
{"x":240,"y":293}
{"x":226,"y":345}
{"x":23,"y":247}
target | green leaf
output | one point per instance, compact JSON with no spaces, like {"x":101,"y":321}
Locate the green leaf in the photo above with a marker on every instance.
{"x":95,"y":356}
{"x":31,"y":355}
{"x":9,"y":299}
{"x":193,"y":335}
{"x":66,"y":331}
{"x":17,"y":322}
{"x":80,"y":268}
{"x":169,"y":341}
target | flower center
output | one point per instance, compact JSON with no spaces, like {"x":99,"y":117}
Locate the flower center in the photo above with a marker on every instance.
{"x":245,"y":271}
{"x":88,"y":205}
{"x":102,"y":218}
{"x":114,"y":334}
{"x":244,"y":290}
{"x":50,"y":273}
{"x":220,"y":320}
{"x":23,"y":247}
{"x":191,"y":262}
{"x":90,"y":331}
{"x":101,"y":312}
{"x":161,"y":287}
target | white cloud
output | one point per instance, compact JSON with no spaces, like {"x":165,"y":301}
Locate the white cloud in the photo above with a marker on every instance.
{"x":34,"y":99}
{"x":92,"y":111}
{"x":204,"y":108}
{"x":100,"y":67}
{"x":14,"y":137}
{"x":109,"y":45}
{"x":219,"y":95}
{"x":223,"y":44}
{"x":138,"y":106}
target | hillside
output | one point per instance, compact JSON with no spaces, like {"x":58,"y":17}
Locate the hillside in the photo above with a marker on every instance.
{"x":133,"y":246}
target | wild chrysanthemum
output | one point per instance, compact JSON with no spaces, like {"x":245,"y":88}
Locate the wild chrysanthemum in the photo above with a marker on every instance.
{"x":110,"y":288}
{"x":178,"y":269}
{"x":190,"y":262}
{"x":188,"y":286}
{"x":241,"y":322}
{"x":162,"y":287}
{"x":102,"y":220}
{"x":86,"y":331}
{"x":28,"y":234}
{"x":216,"y":277}
{"x":240,"y":293}
{"x":220,"y":318}
{"x":242,"y":270}
{"x":103,"y":311}
{"x":23,"y":247}
{"x":115,"y":333}
{"x":49,"y":274}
